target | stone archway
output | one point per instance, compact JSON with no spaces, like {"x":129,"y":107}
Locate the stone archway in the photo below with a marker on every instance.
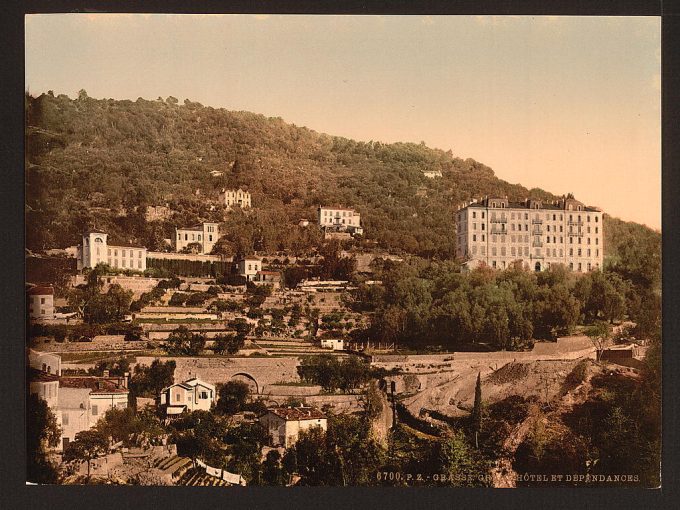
{"x":250,"y":378}
{"x":538,"y":266}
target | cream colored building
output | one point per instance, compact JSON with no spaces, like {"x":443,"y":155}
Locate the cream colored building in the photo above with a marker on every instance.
{"x":190,"y":395}
{"x":248,"y":267}
{"x":96,"y":250}
{"x":235,"y":198}
{"x":205,"y":235}
{"x":284,"y":424}
{"x":339,"y":219}
{"x":41,"y":303}
{"x":538,"y":234}
{"x":83,"y":400}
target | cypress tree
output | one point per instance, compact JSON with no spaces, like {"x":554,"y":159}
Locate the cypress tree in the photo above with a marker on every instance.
{"x":477,"y":409}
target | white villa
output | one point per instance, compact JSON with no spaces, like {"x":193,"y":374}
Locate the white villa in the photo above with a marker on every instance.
{"x":190,"y":395}
{"x":248,"y":267}
{"x":204,"y":235}
{"x":431,"y":174}
{"x":284,"y":424}
{"x":235,"y":197}
{"x":339,"y":219}
{"x":95,"y":250}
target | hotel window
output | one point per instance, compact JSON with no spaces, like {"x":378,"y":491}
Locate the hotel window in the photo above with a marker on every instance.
{"x":554,"y":217}
{"x":483,"y":237}
{"x":560,"y":217}
{"x":526,"y":251}
{"x":571,"y":266}
{"x":139,"y":254}
{"x":482,"y":226}
{"x":547,"y":216}
{"x":579,"y":252}
{"x":42,"y":300}
{"x":554,"y":252}
{"x":474,"y":226}
{"x":139,"y":264}
{"x":588,"y":220}
{"x":493,"y":251}
{"x":579,"y":240}
{"x":589,"y":266}
{"x":210,"y":237}
{"x":548,"y":228}
{"x":123,"y":261}
{"x":186,"y":237}
{"x":589,"y":240}
{"x":474,"y":237}
{"x":561,"y":239}
{"x":526,"y":238}
{"x":95,"y":410}
{"x":571,"y":252}
{"x":589,"y":252}
{"x":513,"y":226}
{"x":109,"y":252}
{"x":474,"y":250}
{"x":483,"y":250}
{"x":547,"y":239}
{"x":115,"y":262}
{"x":474,"y":214}
{"x":579,"y":267}
{"x":199,"y":237}
{"x":512,"y":251}
{"x":596,"y":218}
{"x":482,"y":214}
{"x":115,"y":253}
{"x":494,"y":239}
{"x":538,"y":252}
{"x":493,"y":264}
{"x":109,"y":261}
{"x":526,"y":216}
{"x":554,"y":239}
{"x":561,"y":253}
{"x":503,"y":251}
{"x":597,"y":253}
{"x":512,"y":239}
{"x":596,"y":230}
{"x":597,"y":241}
{"x":526,"y":227}
{"x":561,"y":228}
{"x":571,"y":240}
{"x":588,"y":230}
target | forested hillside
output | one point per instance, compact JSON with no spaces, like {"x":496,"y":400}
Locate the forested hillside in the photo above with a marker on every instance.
{"x":99,"y":163}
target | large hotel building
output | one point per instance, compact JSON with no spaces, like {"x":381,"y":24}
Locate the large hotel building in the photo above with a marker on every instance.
{"x":498,"y":233}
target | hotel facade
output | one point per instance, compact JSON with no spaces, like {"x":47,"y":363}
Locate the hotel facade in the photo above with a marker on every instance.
{"x":538,"y":234}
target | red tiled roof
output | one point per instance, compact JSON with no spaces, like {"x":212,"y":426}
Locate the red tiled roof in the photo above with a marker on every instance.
{"x":96,"y":384}
{"x":40,"y":291}
{"x":36,"y":375}
{"x":297,"y":413}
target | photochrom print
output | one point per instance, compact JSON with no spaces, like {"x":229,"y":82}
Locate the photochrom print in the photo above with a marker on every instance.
{"x":301,"y":250}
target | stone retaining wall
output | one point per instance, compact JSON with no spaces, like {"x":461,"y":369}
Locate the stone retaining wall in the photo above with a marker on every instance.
{"x":266,"y":371}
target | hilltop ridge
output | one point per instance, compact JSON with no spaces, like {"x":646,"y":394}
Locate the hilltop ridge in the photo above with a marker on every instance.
{"x":101,"y":162}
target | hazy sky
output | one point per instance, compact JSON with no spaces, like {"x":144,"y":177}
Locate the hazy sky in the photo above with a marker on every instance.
{"x":562,"y":103}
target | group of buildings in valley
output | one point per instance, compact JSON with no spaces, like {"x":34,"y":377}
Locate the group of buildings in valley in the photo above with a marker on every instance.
{"x":537,"y":234}
{"x":78,"y":402}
